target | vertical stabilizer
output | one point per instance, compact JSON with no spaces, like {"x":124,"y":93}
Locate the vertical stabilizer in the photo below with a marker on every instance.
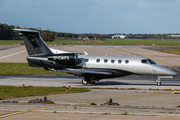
{"x":33,"y":42}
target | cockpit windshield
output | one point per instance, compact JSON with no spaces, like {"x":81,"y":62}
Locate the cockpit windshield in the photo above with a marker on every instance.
{"x":144,"y":61}
{"x":151,"y":62}
{"x":148,"y":61}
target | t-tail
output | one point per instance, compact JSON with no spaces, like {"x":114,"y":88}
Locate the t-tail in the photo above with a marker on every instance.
{"x":34,"y":43}
{"x":41,"y":56}
{"x":36,"y":48}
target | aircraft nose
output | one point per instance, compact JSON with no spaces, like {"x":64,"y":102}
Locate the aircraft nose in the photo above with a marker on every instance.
{"x":165,"y":71}
{"x":170,"y":72}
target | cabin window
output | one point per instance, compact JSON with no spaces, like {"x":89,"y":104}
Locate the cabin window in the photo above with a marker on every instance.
{"x":105,"y":60}
{"x":112,"y":61}
{"x":144,"y":61}
{"x":119,"y":61}
{"x":151,"y":62}
{"x":127,"y":61}
{"x":97,"y":60}
{"x":86,"y":60}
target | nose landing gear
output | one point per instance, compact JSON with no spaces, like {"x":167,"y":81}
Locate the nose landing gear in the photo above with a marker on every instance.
{"x":158,"y":81}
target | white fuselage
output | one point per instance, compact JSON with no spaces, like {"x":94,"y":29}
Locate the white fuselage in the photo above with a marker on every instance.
{"x":131,"y":64}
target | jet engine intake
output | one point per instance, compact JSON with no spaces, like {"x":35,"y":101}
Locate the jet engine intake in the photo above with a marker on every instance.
{"x":66,"y":59}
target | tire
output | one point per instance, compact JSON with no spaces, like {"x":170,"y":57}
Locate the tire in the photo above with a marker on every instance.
{"x":84,"y":82}
{"x":92,"y":82}
{"x":159,"y":83}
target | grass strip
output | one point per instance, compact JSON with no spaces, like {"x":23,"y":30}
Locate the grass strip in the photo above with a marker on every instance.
{"x":26,"y":91}
{"x":174,"y":51}
{"x":123,"y":42}
{"x":129,"y":42}
{"x":23,"y":69}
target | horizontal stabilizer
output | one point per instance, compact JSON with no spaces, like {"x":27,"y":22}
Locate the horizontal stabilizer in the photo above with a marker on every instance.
{"x":55,"y":51}
{"x":26,"y":31}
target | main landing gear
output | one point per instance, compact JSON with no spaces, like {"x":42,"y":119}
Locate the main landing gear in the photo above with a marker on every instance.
{"x":85,"y":82}
{"x":88,"y":79}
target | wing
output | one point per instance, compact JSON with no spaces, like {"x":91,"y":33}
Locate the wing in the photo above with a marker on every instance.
{"x":87,"y":72}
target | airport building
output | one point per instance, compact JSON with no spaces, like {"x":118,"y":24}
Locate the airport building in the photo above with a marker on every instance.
{"x":174,"y":36}
{"x":118,"y":36}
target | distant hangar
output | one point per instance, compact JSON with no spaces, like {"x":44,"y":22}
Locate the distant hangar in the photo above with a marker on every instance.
{"x":173,"y":35}
{"x":118,"y":36}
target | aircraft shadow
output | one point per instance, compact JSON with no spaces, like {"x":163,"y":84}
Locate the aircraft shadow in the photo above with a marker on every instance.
{"x":108,"y":83}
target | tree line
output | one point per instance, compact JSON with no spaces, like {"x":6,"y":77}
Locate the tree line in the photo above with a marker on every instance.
{"x":7,"y":33}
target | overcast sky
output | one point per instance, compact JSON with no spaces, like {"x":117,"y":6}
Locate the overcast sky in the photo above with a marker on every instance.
{"x":94,"y":16}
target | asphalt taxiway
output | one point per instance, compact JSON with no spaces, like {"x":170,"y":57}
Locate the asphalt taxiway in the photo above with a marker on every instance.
{"x":137,"y":95}
{"x":139,"y":82}
{"x":18,"y":54}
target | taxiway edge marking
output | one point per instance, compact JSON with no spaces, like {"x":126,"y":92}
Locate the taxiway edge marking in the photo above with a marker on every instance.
{"x":12,"y":114}
{"x":12,"y":54}
{"x":15,"y":113}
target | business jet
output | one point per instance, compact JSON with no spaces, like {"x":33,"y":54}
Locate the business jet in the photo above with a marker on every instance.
{"x":91,"y":67}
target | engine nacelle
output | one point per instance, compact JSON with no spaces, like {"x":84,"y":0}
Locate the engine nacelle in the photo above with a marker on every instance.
{"x":65,"y":58}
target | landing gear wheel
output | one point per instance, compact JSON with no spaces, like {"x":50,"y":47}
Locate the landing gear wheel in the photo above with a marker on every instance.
{"x":84,"y":82}
{"x":159,"y":83}
{"x":92,"y":82}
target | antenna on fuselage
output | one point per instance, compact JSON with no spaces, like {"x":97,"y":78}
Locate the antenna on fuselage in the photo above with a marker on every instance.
{"x":85,"y":53}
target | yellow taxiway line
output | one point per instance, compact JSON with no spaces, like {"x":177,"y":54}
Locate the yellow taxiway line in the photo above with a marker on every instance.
{"x":12,"y":114}
{"x":173,"y":63}
{"x":175,"y":91}
{"x":15,"y":113}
